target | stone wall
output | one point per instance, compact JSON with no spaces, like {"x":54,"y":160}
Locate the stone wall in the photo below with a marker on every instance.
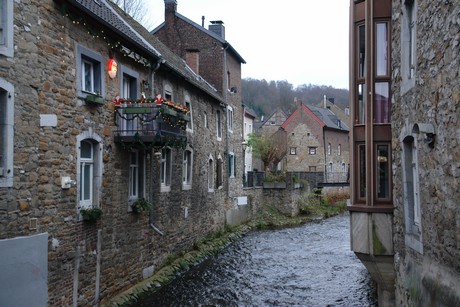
{"x":429,"y":275}
{"x":89,"y":262}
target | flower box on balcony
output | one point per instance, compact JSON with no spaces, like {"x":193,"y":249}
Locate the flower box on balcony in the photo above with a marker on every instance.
{"x":94,"y":99}
{"x":184,"y":117}
{"x":168,"y":111}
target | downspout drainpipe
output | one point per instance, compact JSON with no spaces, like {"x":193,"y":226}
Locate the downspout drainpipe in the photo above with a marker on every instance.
{"x":152,"y":155}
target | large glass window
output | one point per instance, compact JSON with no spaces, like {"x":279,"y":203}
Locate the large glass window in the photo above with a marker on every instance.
{"x":382,"y":103}
{"x":382,"y":51}
{"x":362,"y":171}
{"x":383,"y":172}
{"x":361,"y":52}
{"x":361,"y":104}
{"x":165,"y":169}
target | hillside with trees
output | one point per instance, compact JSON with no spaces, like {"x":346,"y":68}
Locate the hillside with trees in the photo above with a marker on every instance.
{"x":264,"y":97}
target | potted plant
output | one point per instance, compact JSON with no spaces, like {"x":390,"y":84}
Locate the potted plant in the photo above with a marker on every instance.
{"x":91,"y":214}
{"x":140,"y":205}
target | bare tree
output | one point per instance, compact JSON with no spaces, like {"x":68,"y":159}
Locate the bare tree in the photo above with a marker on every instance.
{"x":136,"y":9}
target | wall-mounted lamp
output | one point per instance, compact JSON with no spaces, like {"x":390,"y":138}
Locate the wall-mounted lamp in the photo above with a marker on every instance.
{"x":112,"y":68}
{"x":428,"y":130}
{"x":244,"y":144}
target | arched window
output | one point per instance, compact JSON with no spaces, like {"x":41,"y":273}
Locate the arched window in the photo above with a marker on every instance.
{"x":89,"y":170}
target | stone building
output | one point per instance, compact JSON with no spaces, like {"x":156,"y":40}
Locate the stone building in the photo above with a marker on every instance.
{"x":81,"y":129}
{"x":210,"y":55}
{"x":317,"y":141}
{"x":426,"y":156}
{"x":404,"y":89}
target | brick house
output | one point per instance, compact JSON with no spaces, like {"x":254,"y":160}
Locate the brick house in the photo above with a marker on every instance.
{"x":77,"y":133}
{"x":212,"y":57}
{"x":404,"y":93}
{"x":317,"y":141}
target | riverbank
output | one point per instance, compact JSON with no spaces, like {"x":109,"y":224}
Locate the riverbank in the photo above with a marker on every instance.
{"x":266,"y":218}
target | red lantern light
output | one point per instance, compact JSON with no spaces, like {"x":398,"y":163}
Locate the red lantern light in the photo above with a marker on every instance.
{"x":112,"y":68}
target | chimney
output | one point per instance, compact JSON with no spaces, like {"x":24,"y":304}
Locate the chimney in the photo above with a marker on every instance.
{"x":170,"y":8}
{"x":192,"y":58}
{"x":217,"y":26}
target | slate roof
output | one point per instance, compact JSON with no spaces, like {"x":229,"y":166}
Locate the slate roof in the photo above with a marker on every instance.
{"x":329,"y":118}
{"x":105,"y":14}
{"x":111,"y":16}
{"x":210,"y":33}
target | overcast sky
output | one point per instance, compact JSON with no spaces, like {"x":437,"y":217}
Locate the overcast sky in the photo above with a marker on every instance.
{"x":300,"y":41}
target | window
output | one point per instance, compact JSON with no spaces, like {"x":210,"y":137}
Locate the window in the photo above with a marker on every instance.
{"x":165,"y":170}
{"x":361,"y":104}
{"x":329,"y":149}
{"x":6,"y":133}
{"x":188,"y":104}
{"x":383,"y":172}
{"x":129,"y":90}
{"x":293,"y":150}
{"x":6,"y":28}
{"x":219,"y":125}
{"x":361,"y":87}
{"x":136,"y":176}
{"x":408,"y":45}
{"x":168,"y":95}
{"x":331,"y":167}
{"x":411,"y":188}
{"x":187,"y":169}
{"x":362,"y":171}
{"x":361,"y":52}
{"x":210,"y":174}
{"x":344,"y":169}
{"x":90,"y":73}
{"x":312,"y":150}
{"x":382,"y":103}
{"x":230,"y":119}
{"x":382,"y":49}
{"x":339,"y":150}
{"x":205,"y":119}
{"x":89,"y":170}
{"x":231,"y":165}
{"x":219,"y":179}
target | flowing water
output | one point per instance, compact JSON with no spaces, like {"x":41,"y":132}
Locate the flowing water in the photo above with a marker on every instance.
{"x":310,"y":265}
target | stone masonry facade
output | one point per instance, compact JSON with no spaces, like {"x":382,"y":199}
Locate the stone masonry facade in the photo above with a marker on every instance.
{"x":91,"y":262}
{"x":425,"y":121}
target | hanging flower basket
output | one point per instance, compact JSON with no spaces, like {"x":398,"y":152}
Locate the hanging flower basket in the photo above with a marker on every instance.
{"x":140,"y":205}
{"x":94,"y":99}
{"x":91,"y":214}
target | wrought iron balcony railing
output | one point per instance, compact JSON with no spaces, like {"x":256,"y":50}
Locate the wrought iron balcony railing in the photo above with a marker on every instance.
{"x":150,"y":124}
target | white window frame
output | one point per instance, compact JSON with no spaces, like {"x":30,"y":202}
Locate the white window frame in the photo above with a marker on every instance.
{"x":165,"y":169}
{"x":231,"y":165}
{"x":211,"y":174}
{"x":84,"y":162}
{"x":7,"y":28}
{"x":168,"y":92}
{"x":7,"y":133}
{"x":96,"y":170}
{"x":205,"y":119}
{"x":187,"y":169}
{"x":329,"y":149}
{"x":134,"y":169}
{"x":219,"y":125}
{"x":339,"y":150}
{"x":230,"y":119}
{"x":85,"y":55}
{"x":411,"y":189}
{"x":129,"y":86}
{"x":188,"y":104}
{"x":408,"y":45}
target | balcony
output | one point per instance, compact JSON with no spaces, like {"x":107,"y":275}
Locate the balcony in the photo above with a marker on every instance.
{"x":150,"y":124}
